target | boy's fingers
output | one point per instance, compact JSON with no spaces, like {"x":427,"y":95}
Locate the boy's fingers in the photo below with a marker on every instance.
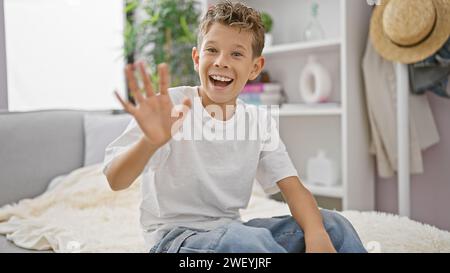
{"x":163,"y":72}
{"x":147,"y":83}
{"x":131,"y":80}
{"x":132,"y":83}
{"x":127,"y":106}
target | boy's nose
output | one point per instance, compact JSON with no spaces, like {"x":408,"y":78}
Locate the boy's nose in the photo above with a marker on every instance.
{"x":221,"y":61}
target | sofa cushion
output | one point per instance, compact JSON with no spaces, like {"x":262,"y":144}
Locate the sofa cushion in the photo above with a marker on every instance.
{"x":37,"y":146}
{"x":99,"y":131}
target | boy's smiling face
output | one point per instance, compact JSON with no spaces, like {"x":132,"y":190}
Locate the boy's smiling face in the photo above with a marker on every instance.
{"x":225,"y":63}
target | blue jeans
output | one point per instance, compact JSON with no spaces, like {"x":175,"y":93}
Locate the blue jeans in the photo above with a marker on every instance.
{"x":263,"y":235}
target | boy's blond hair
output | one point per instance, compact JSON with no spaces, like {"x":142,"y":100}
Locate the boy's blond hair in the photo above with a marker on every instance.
{"x":236,"y":15}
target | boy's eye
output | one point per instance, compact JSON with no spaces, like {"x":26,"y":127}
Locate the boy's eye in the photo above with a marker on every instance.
{"x":210,"y":49}
{"x":237,"y":54}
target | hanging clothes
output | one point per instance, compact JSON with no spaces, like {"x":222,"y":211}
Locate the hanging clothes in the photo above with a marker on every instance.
{"x":432,"y":74}
{"x":381,"y":95}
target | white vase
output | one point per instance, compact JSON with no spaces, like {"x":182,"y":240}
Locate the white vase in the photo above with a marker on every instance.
{"x":322,"y":171}
{"x":315,"y":82}
{"x":314,"y":30}
{"x":268,"y":39}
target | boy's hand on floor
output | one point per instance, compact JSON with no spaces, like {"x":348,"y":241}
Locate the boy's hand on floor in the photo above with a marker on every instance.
{"x":319,"y":243}
{"x":154,"y":114}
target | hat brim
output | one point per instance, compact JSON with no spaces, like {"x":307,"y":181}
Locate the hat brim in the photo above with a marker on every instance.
{"x":407,"y":55}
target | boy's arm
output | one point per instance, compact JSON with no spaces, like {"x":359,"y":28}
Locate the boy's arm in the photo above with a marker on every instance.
{"x":155,"y":117}
{"x":128,"y":166}
{"x":305,"y":211}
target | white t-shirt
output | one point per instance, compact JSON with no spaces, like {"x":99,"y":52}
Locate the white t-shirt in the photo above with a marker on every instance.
{"x":201,"y":180}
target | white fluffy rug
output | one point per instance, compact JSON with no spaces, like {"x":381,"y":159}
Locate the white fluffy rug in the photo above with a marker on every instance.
{"x":81,"y":214}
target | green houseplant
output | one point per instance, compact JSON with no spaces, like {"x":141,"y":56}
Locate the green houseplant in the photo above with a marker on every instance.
{"x":171,"y":32}
{"x":130,"y":35}
{"x":130,"y":31}
{"x":166,"y":32}
{"x":268,"y":24}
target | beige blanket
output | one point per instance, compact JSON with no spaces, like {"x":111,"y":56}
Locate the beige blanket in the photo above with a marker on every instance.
{"x":82,"y":214}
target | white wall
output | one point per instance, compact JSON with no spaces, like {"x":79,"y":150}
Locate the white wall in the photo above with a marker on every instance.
{"x":64,"y":53}
{"x":3,"y":86}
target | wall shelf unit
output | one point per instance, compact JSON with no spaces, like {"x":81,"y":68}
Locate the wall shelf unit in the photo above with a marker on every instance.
{"x":340,"y":128}
{"x":302,"y":46}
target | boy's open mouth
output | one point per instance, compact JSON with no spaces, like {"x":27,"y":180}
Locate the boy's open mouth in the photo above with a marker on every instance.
{"x":220,"y":81}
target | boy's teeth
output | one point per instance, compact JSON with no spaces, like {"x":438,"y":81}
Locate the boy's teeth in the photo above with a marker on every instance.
{"x":219,"y":78}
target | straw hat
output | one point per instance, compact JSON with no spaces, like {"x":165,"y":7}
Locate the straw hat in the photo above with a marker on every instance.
{"x":408,"y":31}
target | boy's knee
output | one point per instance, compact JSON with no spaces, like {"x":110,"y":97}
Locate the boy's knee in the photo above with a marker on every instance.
{"x":341,"y":232}
{"x":240,"y":238}
{"x":335,"y":222}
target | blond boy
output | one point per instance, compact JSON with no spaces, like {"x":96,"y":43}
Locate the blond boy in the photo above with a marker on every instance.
{"x":193,"y":188}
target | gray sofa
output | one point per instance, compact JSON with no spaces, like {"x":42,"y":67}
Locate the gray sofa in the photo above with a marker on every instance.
{"x":36,"y":147}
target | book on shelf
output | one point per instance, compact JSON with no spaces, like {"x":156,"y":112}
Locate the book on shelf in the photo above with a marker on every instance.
{"x":261,"y":93}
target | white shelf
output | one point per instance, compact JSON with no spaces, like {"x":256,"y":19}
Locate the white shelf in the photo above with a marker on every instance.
{"x":335,"y":191}
{"x":303,"y":46}
{"x":341,"y":130}
{"x":324,"y":109}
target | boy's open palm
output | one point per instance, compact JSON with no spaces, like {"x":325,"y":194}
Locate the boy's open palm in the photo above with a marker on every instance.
{"x":155,"y":114}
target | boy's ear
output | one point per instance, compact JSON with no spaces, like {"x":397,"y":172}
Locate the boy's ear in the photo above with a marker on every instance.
{"x":195,"y":58}
{"x":258,"y":65}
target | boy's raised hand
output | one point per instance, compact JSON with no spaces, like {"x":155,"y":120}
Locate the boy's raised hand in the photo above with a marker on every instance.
{"x":155,"y":114}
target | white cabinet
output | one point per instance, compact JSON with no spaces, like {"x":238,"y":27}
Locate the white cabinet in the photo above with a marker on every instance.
{"x":341,"y":128}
